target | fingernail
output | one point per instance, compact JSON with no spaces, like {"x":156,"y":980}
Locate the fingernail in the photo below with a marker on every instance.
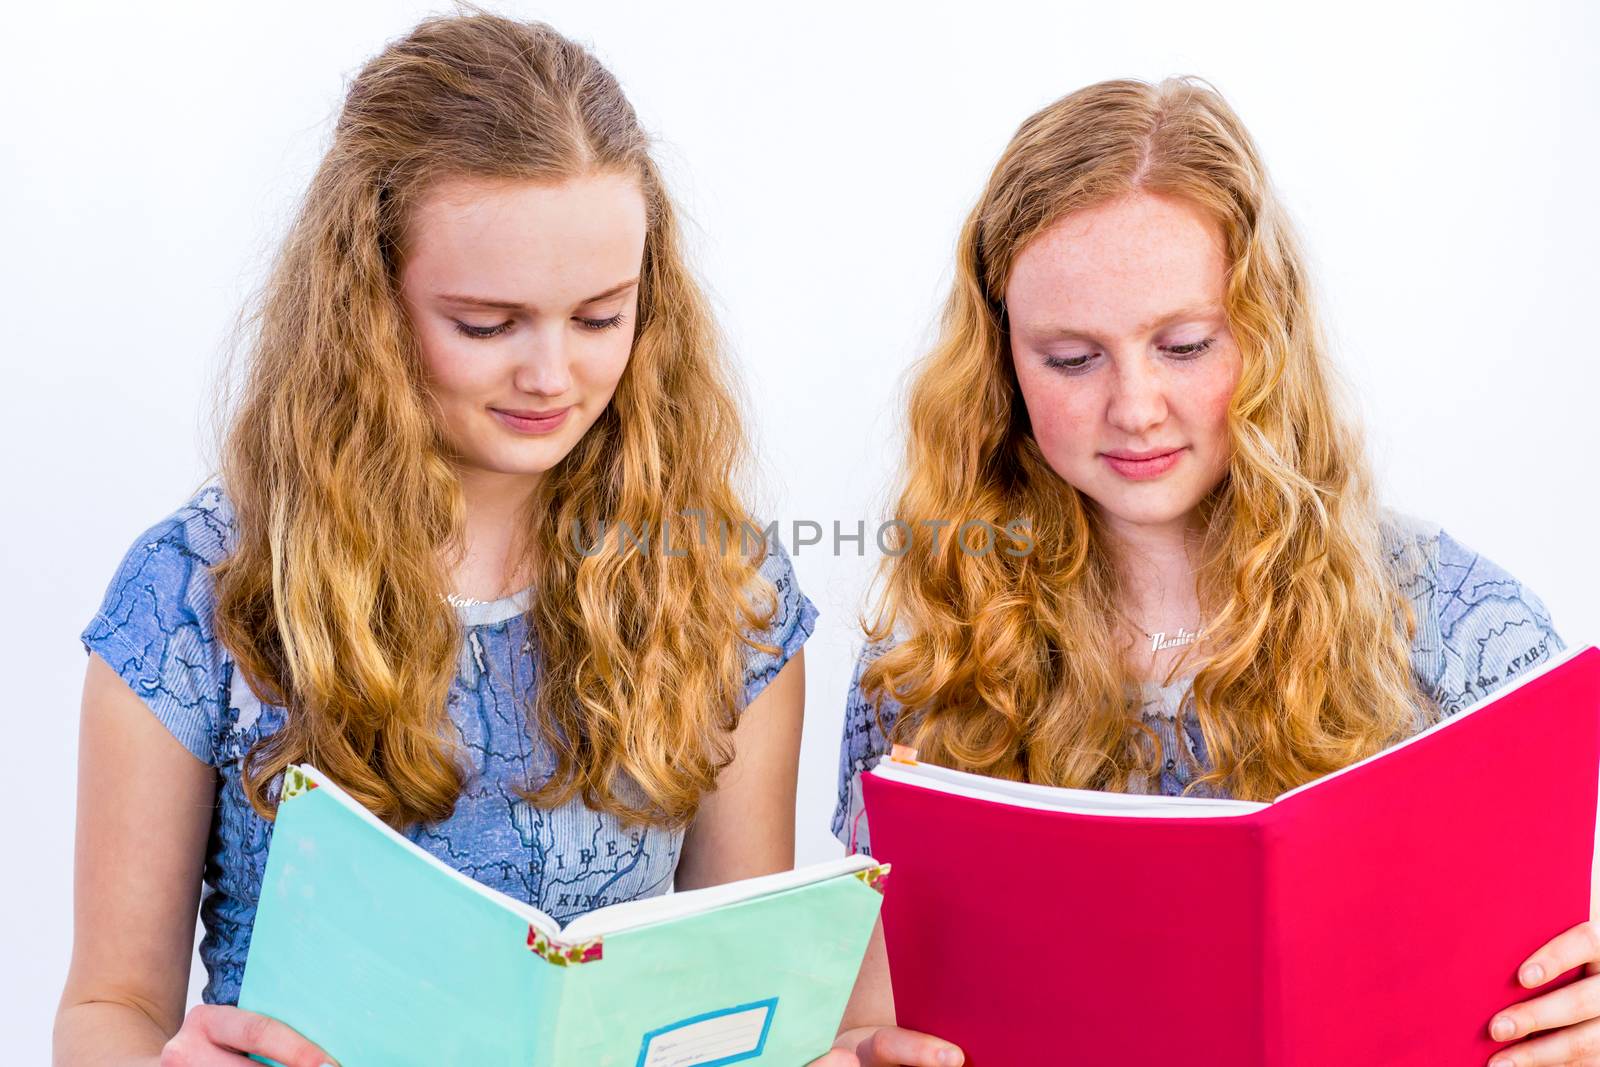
{"x":949,"y":1057}
{"x":1502,"y":1029}
{"x":1532,"y":974}
{"x":1501,"y":1062}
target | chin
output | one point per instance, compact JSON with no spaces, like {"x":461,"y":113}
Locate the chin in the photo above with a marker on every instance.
{"x":531,"y":467}
{"x":1144,"y":512}
{"x":519,"y":461}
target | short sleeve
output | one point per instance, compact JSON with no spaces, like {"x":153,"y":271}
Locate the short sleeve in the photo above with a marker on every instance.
{"x":1484,"y":627}
{"x":154,"y":628}
{"x":861,"y":746}
{"x":792,"y":622}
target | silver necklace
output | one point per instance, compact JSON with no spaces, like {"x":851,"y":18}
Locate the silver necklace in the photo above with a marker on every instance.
{"x":457,"y":600}
{"x":1160,"y":640}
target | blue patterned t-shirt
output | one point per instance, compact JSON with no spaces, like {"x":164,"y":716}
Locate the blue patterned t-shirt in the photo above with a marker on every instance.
{"x":155,"y":629}
{"x":1477,"y":629}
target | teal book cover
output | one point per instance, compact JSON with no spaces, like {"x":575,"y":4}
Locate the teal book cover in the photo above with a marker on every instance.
{"x":385,"y":955}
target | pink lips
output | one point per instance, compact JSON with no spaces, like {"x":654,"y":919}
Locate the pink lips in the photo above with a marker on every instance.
{"x":532,"y":422}
{"x":1140,"y":466}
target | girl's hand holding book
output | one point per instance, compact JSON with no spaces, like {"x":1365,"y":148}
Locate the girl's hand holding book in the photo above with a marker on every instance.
{"x":217,"y":1035}
{"x":1571,"y":1014}
{"x":889,"y":1046}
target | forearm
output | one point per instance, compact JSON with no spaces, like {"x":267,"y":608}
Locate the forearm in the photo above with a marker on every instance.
{"x":104,"y":1033}
{"x":872,"y":1000}
{"x":868,"y":1036}
{"x":145,"y":805}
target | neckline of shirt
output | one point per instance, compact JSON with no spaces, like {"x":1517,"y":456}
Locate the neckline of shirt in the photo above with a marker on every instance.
{"x":495,"y":610}
{"x":1156,"y":687}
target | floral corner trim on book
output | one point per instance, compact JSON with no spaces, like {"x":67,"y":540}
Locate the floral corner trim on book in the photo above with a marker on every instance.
{"x":295,"y":782}
{"x":875,"y":877}
{"x":563,"y":955}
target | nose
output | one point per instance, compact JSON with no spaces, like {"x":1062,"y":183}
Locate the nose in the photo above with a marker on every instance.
{"x":1138,"y":400}
{"x":543,"y":364}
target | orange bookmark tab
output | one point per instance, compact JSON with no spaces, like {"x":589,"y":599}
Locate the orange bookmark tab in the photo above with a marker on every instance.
{"x":903,"y":754}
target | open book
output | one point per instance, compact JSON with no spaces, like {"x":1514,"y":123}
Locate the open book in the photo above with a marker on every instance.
{"x":385,"y":955}
{"x":1375,"y":915}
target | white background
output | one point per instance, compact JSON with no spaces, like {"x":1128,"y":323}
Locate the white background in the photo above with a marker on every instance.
{"x":1439,"y":159}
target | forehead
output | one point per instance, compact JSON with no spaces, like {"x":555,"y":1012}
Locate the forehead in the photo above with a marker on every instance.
{"x":1118,"y":264}
{"x":527,"y":240}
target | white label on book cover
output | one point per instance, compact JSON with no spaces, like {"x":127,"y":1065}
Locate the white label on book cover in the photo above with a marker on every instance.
{"x":717,"y":1037}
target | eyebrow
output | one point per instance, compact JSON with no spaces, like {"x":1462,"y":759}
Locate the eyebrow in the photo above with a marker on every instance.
{"x":513,"y":305}
{"x":1193,"y":311}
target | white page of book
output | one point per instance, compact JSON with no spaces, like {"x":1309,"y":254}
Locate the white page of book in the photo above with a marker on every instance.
{"x":616,"y":917}
{"x":1060,"y":798}
{"x":634,"y":913}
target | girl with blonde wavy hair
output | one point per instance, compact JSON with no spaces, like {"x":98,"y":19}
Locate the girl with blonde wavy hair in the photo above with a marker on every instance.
{"x":479,"y":354}
{"x":1139,"y":547}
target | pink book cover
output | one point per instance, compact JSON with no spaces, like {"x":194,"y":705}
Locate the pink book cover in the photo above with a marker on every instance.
{"x":1374,"y":916}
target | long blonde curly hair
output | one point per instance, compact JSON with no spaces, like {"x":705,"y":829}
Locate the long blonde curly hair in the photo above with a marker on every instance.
{"x":346,"y":498}
{"x":1007,"y":662}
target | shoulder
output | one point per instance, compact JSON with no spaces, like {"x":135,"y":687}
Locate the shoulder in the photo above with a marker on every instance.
{"x":170,"y":560}
{"x":867,"y":719}
{"x":777,"y":570}
{"x":775,"y":576}
{"x":202,"y":527}
{"x":1478,"y":626}
{"x":155,"y":623}
{"x":863,"y":742}
{"x":793,"y":615}
{"x":868,"y":653}
{"x":1410,"y":544}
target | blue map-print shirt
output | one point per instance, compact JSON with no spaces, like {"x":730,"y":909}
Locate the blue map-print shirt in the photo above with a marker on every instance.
{"x":155,"y":629}
{"x":1477,"y":629}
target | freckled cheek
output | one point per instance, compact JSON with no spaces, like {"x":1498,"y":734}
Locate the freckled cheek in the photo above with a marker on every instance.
{"x":1208,"y":405}
{"x":1063,"y":417}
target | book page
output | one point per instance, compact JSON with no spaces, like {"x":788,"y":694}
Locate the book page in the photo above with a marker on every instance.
{"x":634,"y":913}
{"x":536,"y":918}
{"x":1059,"y":798}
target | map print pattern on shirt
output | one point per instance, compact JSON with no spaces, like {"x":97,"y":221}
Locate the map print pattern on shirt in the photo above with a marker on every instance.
{"x":1478,"y":628}
{"x":154,"y":628}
